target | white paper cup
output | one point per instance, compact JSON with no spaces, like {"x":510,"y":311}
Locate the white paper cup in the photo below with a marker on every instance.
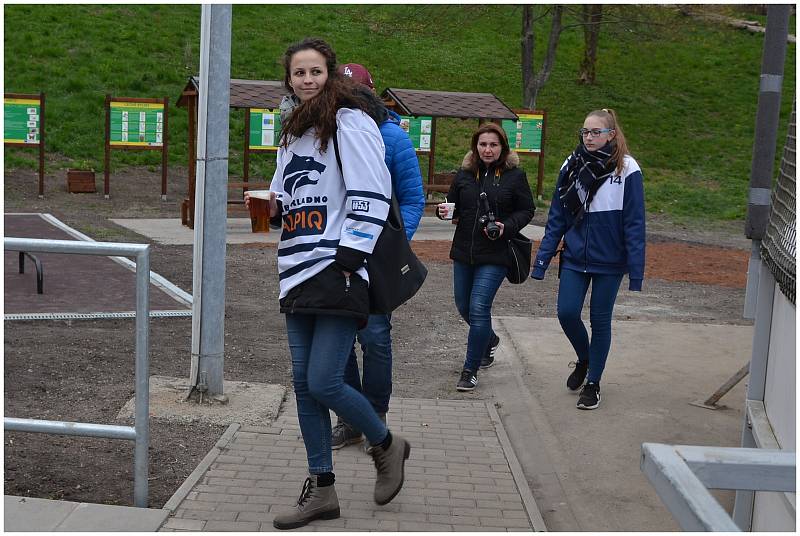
{"x":447,"y":210}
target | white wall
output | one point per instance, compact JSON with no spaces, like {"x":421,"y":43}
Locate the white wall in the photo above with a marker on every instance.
{"x":776,"y":511}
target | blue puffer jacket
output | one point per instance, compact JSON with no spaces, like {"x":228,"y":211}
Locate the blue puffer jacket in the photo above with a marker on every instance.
{"x":401,"y":159}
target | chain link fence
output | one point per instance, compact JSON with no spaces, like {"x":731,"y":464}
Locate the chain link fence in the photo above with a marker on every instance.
{"x":779,"y":245}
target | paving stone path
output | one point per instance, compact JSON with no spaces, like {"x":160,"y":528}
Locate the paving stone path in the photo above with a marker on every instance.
{"x":462,"y":476}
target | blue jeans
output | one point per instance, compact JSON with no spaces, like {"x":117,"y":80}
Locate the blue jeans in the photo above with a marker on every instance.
{"x":571,"y":294}
{"x":474,"y":289}
{"x":320,"y":345}
{"x":376,"y":351}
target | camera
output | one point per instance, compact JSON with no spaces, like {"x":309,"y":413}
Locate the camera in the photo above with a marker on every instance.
{"x":487,"y":219}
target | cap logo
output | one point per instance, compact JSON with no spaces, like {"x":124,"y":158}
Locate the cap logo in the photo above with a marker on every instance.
{"x":348,"y":71}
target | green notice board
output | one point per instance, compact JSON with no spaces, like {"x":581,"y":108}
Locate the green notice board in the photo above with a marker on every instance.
{"x":265,"y":129}
{"x":21,"y":120}
{"x":137,"y":124}
{"x":525,"y":135}
{"x":419,"y":130}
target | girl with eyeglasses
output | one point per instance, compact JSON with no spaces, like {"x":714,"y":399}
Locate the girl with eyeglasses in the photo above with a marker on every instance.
{"x":598,"y":210}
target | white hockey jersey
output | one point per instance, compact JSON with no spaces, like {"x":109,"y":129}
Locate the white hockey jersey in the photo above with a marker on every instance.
{"x":323,"y":207}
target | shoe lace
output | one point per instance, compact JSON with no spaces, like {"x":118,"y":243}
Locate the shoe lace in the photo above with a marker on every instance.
{"x":592,"y":388}
{"x":305,"y":494}
{"x":466,"y":375}
{"x":379,"y":457}
{"x":339,"y":427}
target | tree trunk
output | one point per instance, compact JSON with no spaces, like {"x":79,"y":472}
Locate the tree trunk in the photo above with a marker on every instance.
{"x":592,"y":17}
{"x":532,"y":85}
{"x":527,"y":53}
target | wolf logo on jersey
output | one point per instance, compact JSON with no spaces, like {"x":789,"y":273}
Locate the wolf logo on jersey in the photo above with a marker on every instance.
{"x":298,"y":171}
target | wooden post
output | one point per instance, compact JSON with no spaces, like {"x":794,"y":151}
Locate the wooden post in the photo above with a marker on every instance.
{"x":432,"y":157}
{"x":246,"y":175}
{"x":192,"y":156}
{"x":107,"y":159}
{"x":41,"y":145}
{"x":540,"y":177}
{"x":164,"y":152}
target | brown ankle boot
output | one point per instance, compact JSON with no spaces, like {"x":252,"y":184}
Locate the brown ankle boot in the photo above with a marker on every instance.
{"x":390,"y":464}
{"x":314,"y":503}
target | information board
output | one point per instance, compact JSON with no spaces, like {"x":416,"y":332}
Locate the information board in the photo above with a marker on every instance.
{"x":137,"y":124}
{"x":22,"y":120}
{"x":525,"y":135}
{"x":419,"y":130}
{"x":265,"y":129}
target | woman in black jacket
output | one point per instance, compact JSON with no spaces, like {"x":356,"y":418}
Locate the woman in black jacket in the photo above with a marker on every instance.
{"x":493,"y":202}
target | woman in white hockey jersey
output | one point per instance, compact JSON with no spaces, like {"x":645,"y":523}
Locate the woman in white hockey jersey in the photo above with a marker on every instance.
{"x":332,"y":209}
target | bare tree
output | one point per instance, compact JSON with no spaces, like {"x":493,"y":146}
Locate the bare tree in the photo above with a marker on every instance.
{"x":592,"y":17}
{"x":531,"y":84}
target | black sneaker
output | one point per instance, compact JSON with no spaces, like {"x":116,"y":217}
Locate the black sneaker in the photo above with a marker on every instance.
{"x":590,"y":396}
{"x":575,"y":379}
{"x":488,"y":359}
{"x":343,"y":434}
{"x":468,"y":381}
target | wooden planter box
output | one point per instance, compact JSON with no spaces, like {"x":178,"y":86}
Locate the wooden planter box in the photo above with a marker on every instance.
{"x":80,"y":181}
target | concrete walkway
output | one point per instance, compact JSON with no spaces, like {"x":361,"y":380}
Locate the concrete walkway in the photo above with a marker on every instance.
{"x":170,"y":231}
{"x":25,"y":514}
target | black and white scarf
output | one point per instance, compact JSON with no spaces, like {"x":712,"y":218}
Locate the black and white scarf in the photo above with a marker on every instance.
{"x":586,"y":171}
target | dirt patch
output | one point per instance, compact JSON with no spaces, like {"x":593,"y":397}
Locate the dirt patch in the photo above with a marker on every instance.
{"x":84,"y":370}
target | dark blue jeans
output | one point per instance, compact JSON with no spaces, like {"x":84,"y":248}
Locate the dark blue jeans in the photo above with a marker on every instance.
{"x":320,"y":345}
{"x":474,"y":289}
{"x":376,"y":352}
{"x":572,"y":290}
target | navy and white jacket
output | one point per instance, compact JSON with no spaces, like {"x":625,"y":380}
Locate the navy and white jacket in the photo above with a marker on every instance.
{"x":330,"y":215}
{"x":403,"y":164}
{"x":611,"y":237}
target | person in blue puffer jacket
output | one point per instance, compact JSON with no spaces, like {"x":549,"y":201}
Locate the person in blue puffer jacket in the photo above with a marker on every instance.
{"x":375,"y":338}
{"x":598,"y":209}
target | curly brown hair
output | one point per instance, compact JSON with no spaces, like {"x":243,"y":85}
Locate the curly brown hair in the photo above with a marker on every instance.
{"x":494,"y":128}
{"x":319,"y":112}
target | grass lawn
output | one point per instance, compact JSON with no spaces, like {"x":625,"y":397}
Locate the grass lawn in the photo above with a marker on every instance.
{"x":686,"y":91}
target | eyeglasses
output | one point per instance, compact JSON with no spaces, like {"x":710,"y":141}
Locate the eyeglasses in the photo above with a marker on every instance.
{"x":584,"y":132}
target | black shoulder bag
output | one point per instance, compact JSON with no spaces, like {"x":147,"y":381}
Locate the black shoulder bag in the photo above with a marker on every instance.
{"x":395,"y":272}
{"x":519,"y":256}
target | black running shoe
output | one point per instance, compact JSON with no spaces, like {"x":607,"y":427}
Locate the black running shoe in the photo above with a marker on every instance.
{"x":488,"y":359}
{"x":468,"y":381}
{"x":590,"y":396}
{"x":575,"y":379}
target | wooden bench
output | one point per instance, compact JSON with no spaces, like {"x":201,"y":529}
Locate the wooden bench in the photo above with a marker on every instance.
{"x":440,"y":183}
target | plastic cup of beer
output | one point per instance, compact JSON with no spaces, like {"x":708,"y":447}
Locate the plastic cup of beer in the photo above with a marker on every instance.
{"x":446,"y":210}
{"x":259,"y":210}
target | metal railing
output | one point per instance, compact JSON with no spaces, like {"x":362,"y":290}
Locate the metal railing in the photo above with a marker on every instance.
{"x":140,"y":432}
{"x":39,"y":269}
{"x":683,"y":474}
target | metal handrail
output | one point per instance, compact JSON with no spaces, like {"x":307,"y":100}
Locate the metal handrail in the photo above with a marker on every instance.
{"x":683,"y":474}
{"x":140,"y":432}
{"x":39,"y":269}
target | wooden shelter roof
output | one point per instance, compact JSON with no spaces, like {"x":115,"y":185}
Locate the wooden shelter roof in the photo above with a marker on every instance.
{"x":244,"y":93}
{"x":418,"y":102}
